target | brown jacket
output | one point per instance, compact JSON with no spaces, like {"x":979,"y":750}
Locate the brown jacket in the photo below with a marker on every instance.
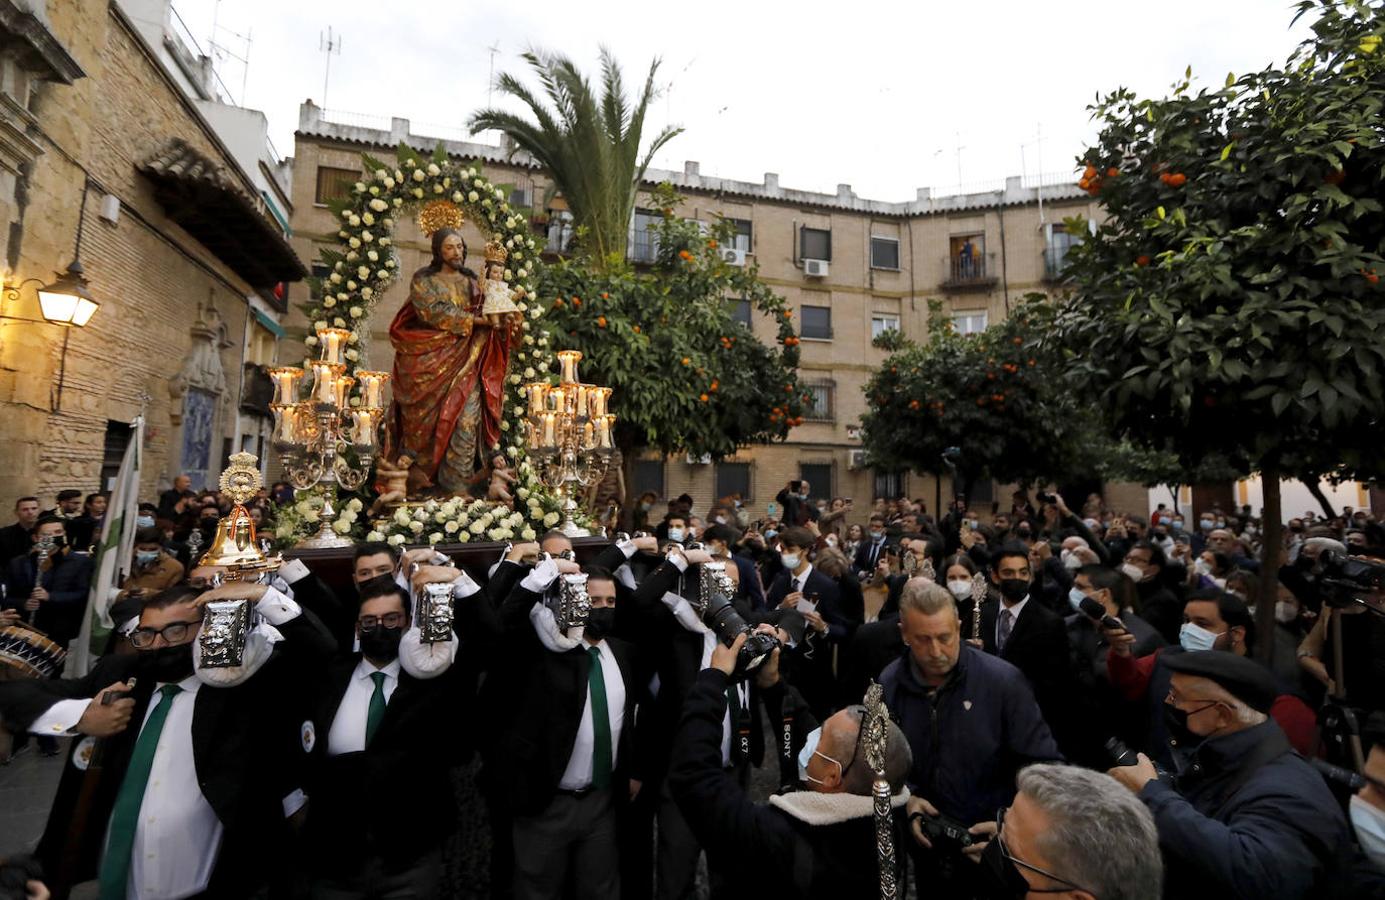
{"x":164,"y":573}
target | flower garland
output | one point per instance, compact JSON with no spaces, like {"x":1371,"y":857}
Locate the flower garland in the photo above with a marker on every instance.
{"x":362,"y":268}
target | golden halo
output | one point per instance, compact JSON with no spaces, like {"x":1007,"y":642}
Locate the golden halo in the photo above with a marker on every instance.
{"x":439,"y":214}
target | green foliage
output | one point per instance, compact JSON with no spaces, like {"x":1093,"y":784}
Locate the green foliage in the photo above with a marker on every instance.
{"x":687,"y":376}
{"x":992,"y":395}
{"x":589,"y":144}
{"x":1230,"y":305}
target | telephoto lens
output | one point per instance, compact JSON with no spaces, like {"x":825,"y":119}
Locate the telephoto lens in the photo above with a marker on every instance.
{"x":1120,"y":754}
{"x":722,"y":618}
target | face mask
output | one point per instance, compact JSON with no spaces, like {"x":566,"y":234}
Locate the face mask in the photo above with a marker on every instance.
{"x":1075,"y":597}
{"x":1285,"y":612}
{"x":971,"y":523}
{"x":1202,"y":567}
{"x":1176,"y":720}
{"x":1093,"y":524}
{"x":1195,"y":637}
{"x":1164,"y":520}
{"x":144,"y":521}
{"x":998,"y":876}
{"x":720,"y":520}
{"x":876,"y":534}
{"x":600,"y":622}
{"x":381,"y":644}
{"x":1014,"y":589}
{"x":1070,"y":561}
{"x":790,"y":560}
{"x":810,"y":749}
{"x":146,"y":557}
{"x":1205,"y":524}
{"x":1369,"y":823}
{"x":959,"y":588}
{"x":675,"y":535}
{"x":1177,"y":525}
{"x":1135,"y":573}
{"x":167,"y":665}
{"x":644,"y":507}
{"x":771,"y":534}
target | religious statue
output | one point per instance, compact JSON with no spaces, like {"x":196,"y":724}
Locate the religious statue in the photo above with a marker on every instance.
{"x":393,"y":482}
{"x":499,"y":299}
{"x":450,"y":363}
{"x":501,"y":480}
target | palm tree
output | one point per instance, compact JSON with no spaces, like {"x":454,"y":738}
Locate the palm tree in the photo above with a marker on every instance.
{"x":590,"y":146}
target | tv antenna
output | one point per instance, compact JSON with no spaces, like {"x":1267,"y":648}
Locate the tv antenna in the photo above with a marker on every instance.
{"x":330,"y":44}
{"x":221,"y":52}
{"x":490,"y":76}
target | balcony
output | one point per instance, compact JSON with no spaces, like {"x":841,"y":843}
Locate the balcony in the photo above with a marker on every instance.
{"x":1055,"y":263}
{"x":975,"y":272}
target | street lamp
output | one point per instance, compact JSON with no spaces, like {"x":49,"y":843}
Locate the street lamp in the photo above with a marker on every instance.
{"x":67,"y":301}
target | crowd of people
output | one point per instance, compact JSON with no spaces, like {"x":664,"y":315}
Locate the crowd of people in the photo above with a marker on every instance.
{"x":1078,"y":705}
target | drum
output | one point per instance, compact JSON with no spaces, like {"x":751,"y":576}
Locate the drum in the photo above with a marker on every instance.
{"x":26,"y":653}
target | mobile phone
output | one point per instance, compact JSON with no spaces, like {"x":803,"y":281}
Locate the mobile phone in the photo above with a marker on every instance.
{"x":772,"y":510}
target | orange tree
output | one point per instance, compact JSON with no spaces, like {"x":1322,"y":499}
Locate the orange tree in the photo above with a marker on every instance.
{"x":687,"y":376}
{"x":1230,"y":302}
{"x":992,"y":395}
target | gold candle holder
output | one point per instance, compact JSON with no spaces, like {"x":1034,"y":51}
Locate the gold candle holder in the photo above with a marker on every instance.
{"x":538,"y":395}
{"x":286,"y":380}
{"x":325,"y":376}
{"x":604,"y":431}
{"x":597,"y":397}
{"x":364,"y":423}
{"x":373,"y":388}
{"x":559,"y":398}
{"x":286,"y":423}
{"x":569,"y":360}
{"x":341,"y":391}
{"x":333,"y":342}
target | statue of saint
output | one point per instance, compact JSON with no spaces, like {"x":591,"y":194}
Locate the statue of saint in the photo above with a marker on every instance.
{"x":449,"y":373}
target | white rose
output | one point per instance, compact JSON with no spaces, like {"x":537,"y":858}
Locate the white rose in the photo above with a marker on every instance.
{"x":515,"y":379}
{"x":527,"y":534}
{"x":418,"y":193}
{"x":550,"y":520}
{"x":367,"y":236}
{"x":359,"y":187}
{"x":473,"y":196}
{"x":363,"y":271}
{"x":451,"y":527}
{"x":418,"y":175}
{"x":367,"y":293}
{"x":401,"y":516}
{"x":519,"y":410}
{"x":477,"y":527}
{"x":505,"y":426}
{"x":498,"y":534}
{"x":374,"y":536}
{"x":352,"y":338}
{"x":522,"y":494}
{"x":437,"y":189}
{"x":439,"y":517}
{"x":463,"y":538}
{"x":457,"y":197}
{"x":435,"y":537}
{"x":350,"y":286}
{"x":389,"y":184}
{"x":396,"y":540}
{"x":382,"y":274}
{"x":354,"y":220}
{"x":398,"y":202}
{"x":529,"y":372}
{"x":372,"y":256}
{"x":335,"y":278}
{"x":355,"y":504}
{"x":320,"y":326}
{"x":380,"y":174}
{"x":353,"y":355}
{"x":416,"y":527}
{"x":385,"y":242}
{"x":510,"y":222}
{"x":374,"y":190}
{"x":341,"y":527}
{"x":352,"y":256}
{"x":339,"y":322}
{"x":368,"y":218}
{"x":355,"y":243}
{"x":329,"y":302}
{"x":379,"y":205}
{"x":357,"y":312}
{"x":463,"y":520}
{"x":434,"y":170}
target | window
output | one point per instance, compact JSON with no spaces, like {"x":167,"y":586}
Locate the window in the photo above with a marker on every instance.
{"x":733,"y":478}
{"x":967,"y":258}
{"x":814,"y":243}
{"x":644,"y":245}
{"x":889,"y":485}
{"x":519,"y":197}
{"x":969,"y":322}
{"x":881,"y":323}
{"x":820,"y":401}
{"x":819,"y":478}
{"x":647,"y":475}
{"x":113,"y":452}
{"x":335,"y":184}
{"x":741,"y":239}
{"x":884,"y":253}
{"x":1060,"y":241}
{"x":740,"y":312}
{"x":815,"y":322}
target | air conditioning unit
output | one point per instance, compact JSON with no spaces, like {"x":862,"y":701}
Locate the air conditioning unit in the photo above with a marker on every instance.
{"x":815,"y":268}
{"x":732,"y":256}
{"x":703,"y":460}
{"x":856,"y":460}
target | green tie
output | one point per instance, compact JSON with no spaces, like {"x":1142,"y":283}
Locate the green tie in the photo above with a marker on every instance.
{"x":115,"y":866}
{"x":601,"y":723}
{"x":377,"y":707}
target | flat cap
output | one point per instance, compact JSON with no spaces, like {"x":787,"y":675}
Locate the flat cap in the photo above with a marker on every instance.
{"x":1242,"y":678}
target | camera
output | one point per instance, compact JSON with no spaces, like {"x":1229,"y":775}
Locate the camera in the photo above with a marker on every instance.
{"x":1046,"y":497}
{"x":722,"y":618}
{"x":1122,"y":756}
{"x":944,"y":832}
{"x":1343,"y":581}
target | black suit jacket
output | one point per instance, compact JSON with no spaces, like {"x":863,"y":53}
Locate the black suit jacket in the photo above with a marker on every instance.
{"x":873,"y":647}
{"x":868,"y":555}
{"x":245,"y":748}
{"x":810,"y":663}
{"x":1038,"y":647}
{"x":543,"y":696}
{"x":15,"y":540}
{"x":392,"y":799}
{"x":67,"y":583}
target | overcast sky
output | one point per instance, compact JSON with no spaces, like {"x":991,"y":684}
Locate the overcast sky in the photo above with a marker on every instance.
{"x":877,"y":95}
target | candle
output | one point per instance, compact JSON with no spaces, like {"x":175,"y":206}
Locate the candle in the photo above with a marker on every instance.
{"x":286,"y":380}
{"x":373,"y":388}
{"x":364,"y":422}
{"x":580,"y":410}
{"x":286,"y":424}
{"x":569,"y":360}
{"x":341,"y":391}
{"x":599,"y":397}
{"x":604,"y":440}
{"x":333,"y":343}
{"x":559,"y":399}
{"x":588,"y":436}
{"x":538,"y":392}
{"x":549,"y":421}
{"x":534,"y":435}
{"x":324,"y":382}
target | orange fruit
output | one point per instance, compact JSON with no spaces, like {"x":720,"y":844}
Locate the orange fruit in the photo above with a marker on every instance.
{"x":1142,"y":260}
{"x":1177,"y":180}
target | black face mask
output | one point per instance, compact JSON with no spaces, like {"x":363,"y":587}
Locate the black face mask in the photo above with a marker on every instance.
{"x":381,"y":644}
{"x":600,"y":622}
{"x":1014,"y":589}
{"x":167,"y":665}
{"x":1176,"y":720}
{"x":998,"y":876}
{"x":1023,"y":533}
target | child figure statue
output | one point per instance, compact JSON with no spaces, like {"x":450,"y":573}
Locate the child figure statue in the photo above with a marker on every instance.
{"x":395,"y":478}
{"x":499,"y":298}
{"x":501,"y":479}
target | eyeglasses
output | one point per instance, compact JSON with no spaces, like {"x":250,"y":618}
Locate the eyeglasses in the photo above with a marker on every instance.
{"x":389,"y":620}
{"x":173,"y":633}
{"x":1005,"y":851}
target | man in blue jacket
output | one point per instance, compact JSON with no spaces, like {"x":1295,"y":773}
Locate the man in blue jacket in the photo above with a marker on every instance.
{"x":972,"y":724}
{"x":1246,"y":817}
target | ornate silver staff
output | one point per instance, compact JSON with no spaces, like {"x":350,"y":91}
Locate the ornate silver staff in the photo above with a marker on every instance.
{"x":978,"y":593}
{"x":875,"y":732}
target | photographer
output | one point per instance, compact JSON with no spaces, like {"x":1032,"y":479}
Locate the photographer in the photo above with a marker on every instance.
{"x":1246,"y":817}
{"x":822,"y":838}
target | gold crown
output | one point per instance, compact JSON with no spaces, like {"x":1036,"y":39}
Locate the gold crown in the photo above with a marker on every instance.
{"x":438,"y":214}
{"x":496,"y":252}
{"x":241,"y":479}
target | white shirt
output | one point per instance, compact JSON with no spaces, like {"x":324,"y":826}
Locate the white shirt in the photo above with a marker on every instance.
{"x":348,"y":726}
{"x":578,"y":774}
{"x":1014,"y":617}
{"x":178,"y":837}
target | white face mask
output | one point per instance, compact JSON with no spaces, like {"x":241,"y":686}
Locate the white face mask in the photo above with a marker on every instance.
{"x":959,"y":588}
{"x":1070,"y":561}
{"x":1135,"y":572}
{"x":675,"y":534}
{"x":805,"y":756}
{"x":790,"y":560}
{"x":1075,"y":597}
{"x":1195,"y":637}
{"x":1285,"y":612}
{"x":1369,"y":823}
{"x":1202,"y":567}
